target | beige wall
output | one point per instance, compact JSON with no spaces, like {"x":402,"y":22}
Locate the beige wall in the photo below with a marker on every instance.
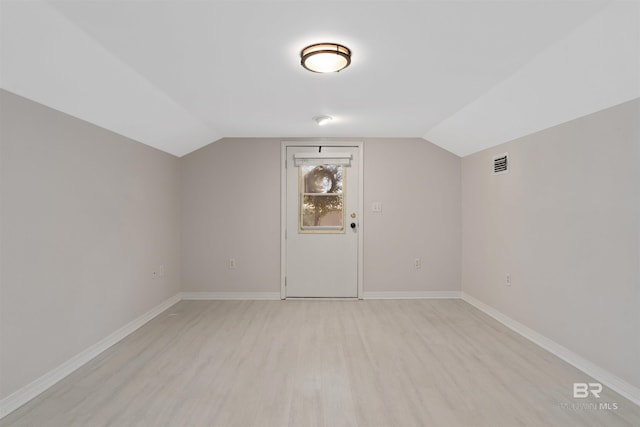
{"x":418,"y":184}
{"x":231,"y":209}
{"x":87,"y":215}
{"x":564,"y":222}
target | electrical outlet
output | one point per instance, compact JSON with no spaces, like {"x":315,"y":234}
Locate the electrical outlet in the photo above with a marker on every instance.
{"x":417,"y":263}
{"x":232,"y":263}
{"x":376,"y":207}
{"x":508,"y":279}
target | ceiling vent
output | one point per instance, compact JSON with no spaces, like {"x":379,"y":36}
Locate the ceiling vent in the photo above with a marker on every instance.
{"x":501,"y":164}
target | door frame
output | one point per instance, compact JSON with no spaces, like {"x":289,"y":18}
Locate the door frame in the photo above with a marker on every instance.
{"x":283,"y":205}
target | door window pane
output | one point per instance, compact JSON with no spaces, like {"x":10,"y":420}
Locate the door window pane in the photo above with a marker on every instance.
{"x":321,"y":198}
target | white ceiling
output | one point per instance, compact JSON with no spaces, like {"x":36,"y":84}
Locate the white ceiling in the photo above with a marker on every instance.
{"x":466,"y":75}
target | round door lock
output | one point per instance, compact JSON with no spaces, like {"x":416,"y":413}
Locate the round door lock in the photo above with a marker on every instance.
{"x":353,"y":225}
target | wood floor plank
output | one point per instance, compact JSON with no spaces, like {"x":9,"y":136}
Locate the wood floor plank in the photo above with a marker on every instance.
{"x":323,"y":363}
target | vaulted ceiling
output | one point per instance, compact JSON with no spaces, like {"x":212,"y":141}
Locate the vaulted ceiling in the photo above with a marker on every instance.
{"x":465,"y":75}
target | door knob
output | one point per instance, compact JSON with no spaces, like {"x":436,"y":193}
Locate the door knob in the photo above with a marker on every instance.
{"x":353,"y":225}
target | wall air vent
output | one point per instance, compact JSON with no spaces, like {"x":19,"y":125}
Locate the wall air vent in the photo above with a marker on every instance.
{"x":501,"y":164}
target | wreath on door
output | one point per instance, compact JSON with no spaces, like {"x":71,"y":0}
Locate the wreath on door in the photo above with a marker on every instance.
{"x":322,"y":180}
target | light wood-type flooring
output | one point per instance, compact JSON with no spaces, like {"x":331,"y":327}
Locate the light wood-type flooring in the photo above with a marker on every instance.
{"x":323,"y":363}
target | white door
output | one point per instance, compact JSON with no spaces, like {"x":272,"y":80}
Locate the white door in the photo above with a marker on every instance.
{"x":322,"y":221}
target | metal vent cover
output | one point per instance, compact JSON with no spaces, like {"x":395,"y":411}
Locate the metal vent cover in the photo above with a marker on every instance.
{"x":501,"y":164}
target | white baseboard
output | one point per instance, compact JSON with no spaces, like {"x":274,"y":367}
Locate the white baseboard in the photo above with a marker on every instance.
{"x":230,"y":295}
{"x":33,"y":389}
{"x":276,"y":295}
{"x":413,"y":295}
{"x":612,"y":381}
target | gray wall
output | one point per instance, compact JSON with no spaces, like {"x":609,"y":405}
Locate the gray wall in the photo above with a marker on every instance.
{"x":87,"y":215}
{"x":418,"y":184}
{"x":565,"y":224}
{"x":231,"y":208}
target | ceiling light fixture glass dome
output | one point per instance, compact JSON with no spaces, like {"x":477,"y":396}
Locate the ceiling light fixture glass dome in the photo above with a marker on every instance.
{"x":325,"y":57}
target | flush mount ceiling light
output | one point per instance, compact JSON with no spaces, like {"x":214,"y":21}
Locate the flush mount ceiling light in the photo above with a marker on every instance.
{"x":325,"y":57}
{"x":322,"y":120}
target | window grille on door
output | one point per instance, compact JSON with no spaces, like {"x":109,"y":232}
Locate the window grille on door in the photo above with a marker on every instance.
{"x":321,"y":183}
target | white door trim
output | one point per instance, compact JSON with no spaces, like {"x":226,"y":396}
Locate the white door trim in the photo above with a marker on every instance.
{"x":283,"y":205}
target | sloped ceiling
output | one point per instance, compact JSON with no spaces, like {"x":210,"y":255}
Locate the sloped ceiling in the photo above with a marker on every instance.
{"x":465,"y":75}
